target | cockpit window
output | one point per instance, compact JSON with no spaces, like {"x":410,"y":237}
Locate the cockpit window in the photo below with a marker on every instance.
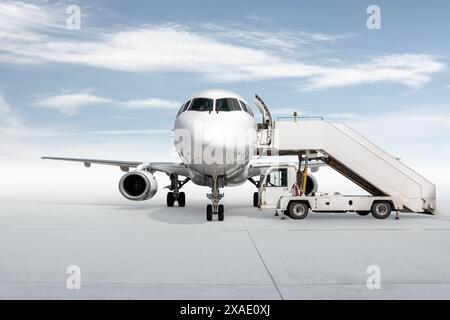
{"x":246,"y":108}
{"x":201,"y":104}
{"x":184,"y":107}
{"x":227,"y":104}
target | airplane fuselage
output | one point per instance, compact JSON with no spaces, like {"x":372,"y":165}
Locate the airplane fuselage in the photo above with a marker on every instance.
{"x":215,"y":136}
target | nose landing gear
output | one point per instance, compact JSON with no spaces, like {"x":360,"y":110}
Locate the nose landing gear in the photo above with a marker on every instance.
{"x":215,"y":208}
{"x":220,"y":211}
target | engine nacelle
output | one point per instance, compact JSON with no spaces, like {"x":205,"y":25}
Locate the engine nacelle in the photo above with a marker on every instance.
{"x":138,"y":185}
{"x":311,"y":185}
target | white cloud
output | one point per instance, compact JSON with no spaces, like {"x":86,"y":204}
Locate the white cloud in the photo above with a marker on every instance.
{"x":409,"y":69}
{"x":20,"y":20}
{"x":284,"y":39}
{"x":151,"y":103}
{"x":4,"y":106}
{"x":70,"y":104}
{"x":7,"y":117}
{"x":174,"y":48}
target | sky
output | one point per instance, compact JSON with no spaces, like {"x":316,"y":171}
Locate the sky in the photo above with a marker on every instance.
{"x":112,"y":87}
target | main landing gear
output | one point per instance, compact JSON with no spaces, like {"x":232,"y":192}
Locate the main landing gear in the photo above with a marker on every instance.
{"x":215,"y":208}
{"x":175,"y":195}
{"x":256,"y":194}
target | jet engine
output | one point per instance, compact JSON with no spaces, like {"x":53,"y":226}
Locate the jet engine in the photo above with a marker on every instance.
{"x":311,"y":185}
{"x":138,"y":185}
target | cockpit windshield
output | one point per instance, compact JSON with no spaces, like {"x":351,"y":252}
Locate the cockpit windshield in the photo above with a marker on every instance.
{"x":201,"y":104}
{"x":246,"y":108}
{"x":184,"y":107}
{"x":227,"y":104}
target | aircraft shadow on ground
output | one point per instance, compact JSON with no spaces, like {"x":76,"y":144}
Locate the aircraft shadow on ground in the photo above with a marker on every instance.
{"x":195,"y":214}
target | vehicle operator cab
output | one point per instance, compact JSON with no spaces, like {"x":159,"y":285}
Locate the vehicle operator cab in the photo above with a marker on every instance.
{"x":277,"y":182}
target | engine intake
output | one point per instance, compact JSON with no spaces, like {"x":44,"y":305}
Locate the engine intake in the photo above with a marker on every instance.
{"x":138,"y":185}
{"x":311,"y":185}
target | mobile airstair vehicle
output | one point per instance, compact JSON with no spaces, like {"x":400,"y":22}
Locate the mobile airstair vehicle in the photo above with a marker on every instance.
{"x":391,"y":184}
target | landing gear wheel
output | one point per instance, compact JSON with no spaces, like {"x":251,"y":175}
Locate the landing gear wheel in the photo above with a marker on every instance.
{"x":209,"y":212}
{"x":181,"y":199}
{"x":255,"y":199}
{"x":298,"y":210}
{"x":221,"y":212}
{"x":170,"y":199}
{"x":363,"y":213}
{"x":381,"y":210}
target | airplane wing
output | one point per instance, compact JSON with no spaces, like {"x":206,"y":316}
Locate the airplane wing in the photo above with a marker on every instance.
{"x":167,"y":167}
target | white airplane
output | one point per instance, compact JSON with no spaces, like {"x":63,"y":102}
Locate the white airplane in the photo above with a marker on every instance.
{"x":215,"y":136}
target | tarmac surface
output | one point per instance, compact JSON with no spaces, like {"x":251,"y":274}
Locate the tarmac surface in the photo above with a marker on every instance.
{"x":145,"y":250}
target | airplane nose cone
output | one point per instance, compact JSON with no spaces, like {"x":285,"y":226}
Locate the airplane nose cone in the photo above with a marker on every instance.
{"x":214,"y":138}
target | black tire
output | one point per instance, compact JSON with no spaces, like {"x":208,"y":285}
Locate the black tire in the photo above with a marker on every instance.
{"x":181,"y":199}
{"x":381,"y":209}
{"x":298,"y":210}
{"x":170,"y":199}
{"x":363,"y":213}
{"x":209,"y":214}
{"x":221,"y":212}
{"x":255,"y":199}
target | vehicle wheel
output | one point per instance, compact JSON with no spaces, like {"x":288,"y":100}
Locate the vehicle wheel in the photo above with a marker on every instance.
{"x":221,"y":213}
{"x":209,"y":212}
{"x":298,"y":210}
{"x":255,"y":199}
{"x":170,"y":199}
{"x":363,"y":213}
{"x":381,"y":210}
{"x":181,"y":199}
